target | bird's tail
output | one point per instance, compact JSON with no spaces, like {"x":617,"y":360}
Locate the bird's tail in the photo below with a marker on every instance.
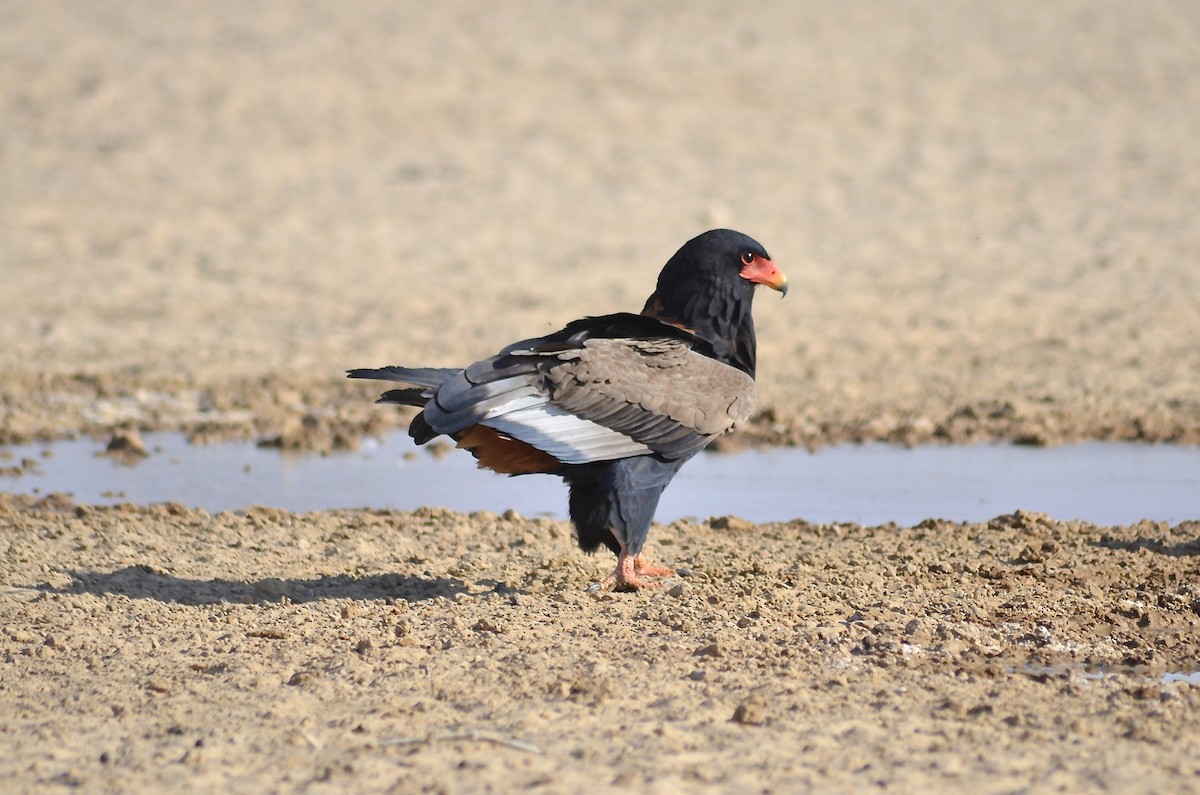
{"x":417,"y":376}
{"x":424,"y":379}
{"x":425,"y":382}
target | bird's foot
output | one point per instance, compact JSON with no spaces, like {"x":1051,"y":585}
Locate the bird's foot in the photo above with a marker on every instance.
{"x":643,"y":566}
{"x":625,"y":576}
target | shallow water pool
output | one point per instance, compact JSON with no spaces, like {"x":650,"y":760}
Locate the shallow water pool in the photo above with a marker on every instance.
{"x":1105,"y":483}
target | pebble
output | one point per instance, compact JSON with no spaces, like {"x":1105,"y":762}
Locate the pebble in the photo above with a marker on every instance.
{"x":751,"y":712}
{"x":486,"y":625}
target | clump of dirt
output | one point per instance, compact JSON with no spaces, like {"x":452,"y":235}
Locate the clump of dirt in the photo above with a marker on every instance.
{"x":127,"y":447}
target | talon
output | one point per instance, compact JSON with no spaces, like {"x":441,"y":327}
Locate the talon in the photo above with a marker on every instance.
{"x":643,"y":566}
{"x":625,"y":575}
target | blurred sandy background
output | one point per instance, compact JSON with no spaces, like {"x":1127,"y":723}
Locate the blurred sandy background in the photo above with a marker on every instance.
{"x":987,"y":210}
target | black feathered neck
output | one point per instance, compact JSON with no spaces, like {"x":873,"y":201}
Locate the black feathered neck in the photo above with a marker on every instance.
{"x":700,"y":289}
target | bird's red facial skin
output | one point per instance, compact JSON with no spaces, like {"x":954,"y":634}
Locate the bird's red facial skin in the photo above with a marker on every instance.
{"x":761,"y":270}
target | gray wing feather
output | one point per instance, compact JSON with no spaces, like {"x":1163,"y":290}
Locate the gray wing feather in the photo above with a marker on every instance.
{"x":658,"y":392}
{"x":598,"y":400}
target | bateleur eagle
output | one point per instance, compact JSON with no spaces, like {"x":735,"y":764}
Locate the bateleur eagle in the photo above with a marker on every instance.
{"x":613,"y":404}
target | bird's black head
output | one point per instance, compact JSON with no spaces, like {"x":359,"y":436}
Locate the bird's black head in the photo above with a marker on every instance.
{"x":708,"y":287}
{"x":723,"y":260}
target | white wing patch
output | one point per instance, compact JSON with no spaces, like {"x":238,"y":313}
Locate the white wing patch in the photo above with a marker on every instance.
{"x":570,"y":439}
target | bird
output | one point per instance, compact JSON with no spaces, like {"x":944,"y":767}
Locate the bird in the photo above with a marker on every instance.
{"x":613,"y":404}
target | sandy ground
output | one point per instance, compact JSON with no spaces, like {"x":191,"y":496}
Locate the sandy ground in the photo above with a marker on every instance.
{"x":987,"y":212}
{"x":161,"y":647}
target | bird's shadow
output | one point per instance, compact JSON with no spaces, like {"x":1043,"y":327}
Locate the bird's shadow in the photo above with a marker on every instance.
{"x":144,"y":582}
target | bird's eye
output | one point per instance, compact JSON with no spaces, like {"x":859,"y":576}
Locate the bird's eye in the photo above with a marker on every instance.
{"x":747,"y":258}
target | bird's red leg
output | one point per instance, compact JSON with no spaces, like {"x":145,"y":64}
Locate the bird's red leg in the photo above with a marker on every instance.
{"x":625,"y":576}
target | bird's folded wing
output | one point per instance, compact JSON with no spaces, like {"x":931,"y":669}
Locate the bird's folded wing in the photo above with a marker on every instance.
{"x":659,"y":392}
{"x":599,"y":399}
